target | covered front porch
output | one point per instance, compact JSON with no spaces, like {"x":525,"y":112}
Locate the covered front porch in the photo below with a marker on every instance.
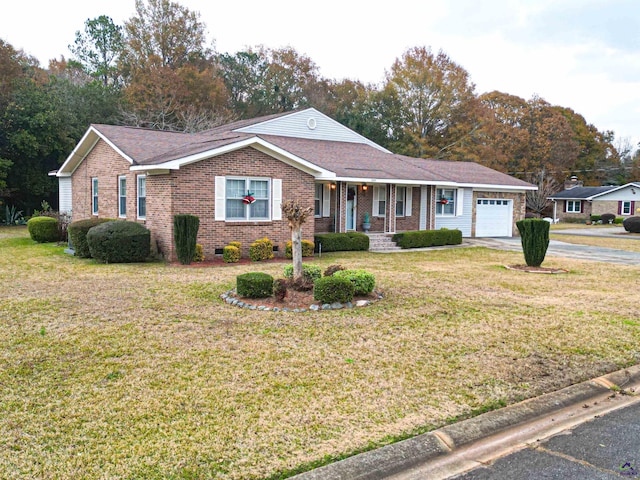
{"x":343,"y":206}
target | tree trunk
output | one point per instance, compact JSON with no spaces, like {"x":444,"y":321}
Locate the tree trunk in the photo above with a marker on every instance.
{"x":296,"y":252}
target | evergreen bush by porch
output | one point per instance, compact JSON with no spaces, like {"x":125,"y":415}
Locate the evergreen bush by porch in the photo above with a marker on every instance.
{"x":341,"y":242}
{"x":428,"y":238}
{"x":185,"y":234}
{"x":43,"y":229}
{"x":78,"y":234}
{"x":534,"y":236}
{"x":119,"y":241}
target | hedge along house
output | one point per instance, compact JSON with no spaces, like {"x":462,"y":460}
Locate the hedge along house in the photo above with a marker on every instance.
{"x":235,"y":177}
{"x":579,"y":202}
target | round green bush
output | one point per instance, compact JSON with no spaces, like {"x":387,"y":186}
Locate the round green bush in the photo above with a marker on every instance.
{"x":607,"y":218}
{"x":43,"y":229}
{"x":78,"y":234}
{"x":363,"y":281}
{"x":119,"y":242}
{"x":310,"y":272}
{"x":254,"y":285}
{"x":632,"y":224}
{"x":333,"y":289}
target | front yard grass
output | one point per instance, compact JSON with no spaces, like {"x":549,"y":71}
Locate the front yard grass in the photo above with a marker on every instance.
{"x":628,"y":244}
{"x":140,"y":371}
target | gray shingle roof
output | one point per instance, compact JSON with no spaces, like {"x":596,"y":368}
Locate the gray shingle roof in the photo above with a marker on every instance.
{"x":581,"y":193}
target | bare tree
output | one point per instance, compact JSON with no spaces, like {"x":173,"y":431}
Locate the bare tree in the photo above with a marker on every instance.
{"x":538,"y":200}
{"x":296,"y":215}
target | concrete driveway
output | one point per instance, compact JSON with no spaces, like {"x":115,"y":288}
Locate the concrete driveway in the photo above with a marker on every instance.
{"x":568,"y":250}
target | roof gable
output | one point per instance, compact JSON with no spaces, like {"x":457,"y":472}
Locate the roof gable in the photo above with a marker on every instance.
{"x":580,"y":193}
{"x":628,"y":192}
{"x":310,"y":124}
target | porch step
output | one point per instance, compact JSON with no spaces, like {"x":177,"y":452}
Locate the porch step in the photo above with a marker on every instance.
{"x":381,"y":242}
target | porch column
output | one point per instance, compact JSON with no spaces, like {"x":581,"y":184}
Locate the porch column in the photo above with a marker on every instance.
{"x":391,"y":209}
{"x":424,"y":203}
{"x":341,"y":190}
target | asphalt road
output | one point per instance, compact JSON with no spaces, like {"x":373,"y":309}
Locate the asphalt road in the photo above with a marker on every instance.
{"x":607,"y":447}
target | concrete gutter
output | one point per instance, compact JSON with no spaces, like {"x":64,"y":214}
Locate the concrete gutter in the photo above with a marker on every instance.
{"x":461,"y":446}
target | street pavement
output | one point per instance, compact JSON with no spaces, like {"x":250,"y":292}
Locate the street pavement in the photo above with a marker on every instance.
{"x":607,"y":447}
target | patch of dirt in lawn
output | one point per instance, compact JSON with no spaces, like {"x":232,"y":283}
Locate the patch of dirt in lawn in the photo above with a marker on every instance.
{"x":528,"y":269}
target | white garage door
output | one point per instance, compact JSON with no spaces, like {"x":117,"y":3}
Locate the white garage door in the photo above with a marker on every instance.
{"x":494,"y":217}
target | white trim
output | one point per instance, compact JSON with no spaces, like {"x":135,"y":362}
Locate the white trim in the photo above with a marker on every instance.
{"x":460,"y":202}
{"x":138,"y":197}
{"x":566,"y":206}
{"x":220,"y":198}
{"x":377,"y":198}
{"x":424,"y":202}
{"x":621,"y":187}
{"x":622,"y":202}
{"x":276,"y":198}
{"x":121,"y":196}
{"x":409,"y":201}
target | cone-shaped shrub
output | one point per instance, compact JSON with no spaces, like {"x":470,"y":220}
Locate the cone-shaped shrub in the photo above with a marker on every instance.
{"x":534,"y":235}
{"x":185,"y":233}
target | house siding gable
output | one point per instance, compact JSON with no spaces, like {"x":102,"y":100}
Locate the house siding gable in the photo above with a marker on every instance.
{"x":461,"y":222}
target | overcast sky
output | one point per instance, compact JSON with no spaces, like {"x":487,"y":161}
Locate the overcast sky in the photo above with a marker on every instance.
{"x":581,"y":54}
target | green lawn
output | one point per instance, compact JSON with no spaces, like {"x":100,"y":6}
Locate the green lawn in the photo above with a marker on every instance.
{"x":140,"y":371}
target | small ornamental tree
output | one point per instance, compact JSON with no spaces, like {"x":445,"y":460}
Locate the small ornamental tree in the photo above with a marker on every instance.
{"x":185,"y":234}
{"x":534,"y":235}
{"x":296,"y":215}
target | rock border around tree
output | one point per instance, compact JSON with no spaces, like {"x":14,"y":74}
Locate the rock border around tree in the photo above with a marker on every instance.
{"x":230,"y":297}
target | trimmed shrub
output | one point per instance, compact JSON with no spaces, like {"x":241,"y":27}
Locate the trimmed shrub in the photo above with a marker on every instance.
{"x":607,"y":218}
{"x":341,"y":242}
{"x":261,"y":250}
{"x":43,"y":229}
{"x":254,"y":285}
{"x":331,"y":269}
{"x":119,"y":242}
{"x":185,"y":234}
{"x":280,"y":289}
{"x":238,"y":245}
{"x":333,"y":289}
{"x":632,"y":224}
{"x":428,"y":238}
{"x":363,"y":281}
{"x":307,"y":249}
{"x":231,"y":254}
{"x":198,"y":256}
{"x":619,"y":220}
{"x":596,"y":218}
{"x":534,"y":236}
{"x":310,"y":272}
{"x":78,"y":234}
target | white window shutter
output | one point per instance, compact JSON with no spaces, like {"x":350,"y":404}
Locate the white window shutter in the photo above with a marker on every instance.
{"x":276,"y":196}
{"x":326,"y":200}
{"x":460,"y":202}
{"x":409,"y":201}
{"x":220,"y":196}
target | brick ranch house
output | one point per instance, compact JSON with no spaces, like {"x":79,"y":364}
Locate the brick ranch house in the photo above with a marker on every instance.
{"x":148,"y":176}
{"x":579,"y":202}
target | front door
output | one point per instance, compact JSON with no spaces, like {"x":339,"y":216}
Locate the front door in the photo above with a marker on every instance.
{"x":351,"y":206}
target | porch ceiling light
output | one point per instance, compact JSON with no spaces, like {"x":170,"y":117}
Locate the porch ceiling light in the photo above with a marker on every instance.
{"x":333,"y":186}
{"x":365,"y":187}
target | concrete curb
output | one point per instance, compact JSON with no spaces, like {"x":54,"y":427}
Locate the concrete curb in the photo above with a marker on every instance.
{"x":398,"y":457}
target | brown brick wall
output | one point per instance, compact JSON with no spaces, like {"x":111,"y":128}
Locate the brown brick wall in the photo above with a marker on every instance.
{"x":519,"y":207}
{"x":600,"y":207}
{"x":406,"y":224}
{"x":191,"y":190}
{"x":105,"y":164}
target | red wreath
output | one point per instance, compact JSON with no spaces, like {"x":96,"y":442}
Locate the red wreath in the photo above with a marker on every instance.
{"x":248,"y":198}
{"x":444,"y":201}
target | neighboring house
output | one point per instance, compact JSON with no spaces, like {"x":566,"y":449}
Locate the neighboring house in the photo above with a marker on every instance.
{"x":579,"y":202}
{"x":149,"y":176}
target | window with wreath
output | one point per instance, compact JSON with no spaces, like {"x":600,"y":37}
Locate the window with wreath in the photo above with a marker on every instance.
{"x":445,"y":201}
{"x":247,"y":199}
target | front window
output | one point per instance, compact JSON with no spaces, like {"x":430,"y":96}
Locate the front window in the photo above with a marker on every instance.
{"x":317,"y":200}
{"x":247,"y":199}
{"x":401,"y":196}
{"x":573,"y":206}
{"x":625,"y":209}
{"x":122,"y":196}
{"x":142,"y":197}
{"x":445,"y":201}
{"x":379,"y":201}
{"x":94,"y":196}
